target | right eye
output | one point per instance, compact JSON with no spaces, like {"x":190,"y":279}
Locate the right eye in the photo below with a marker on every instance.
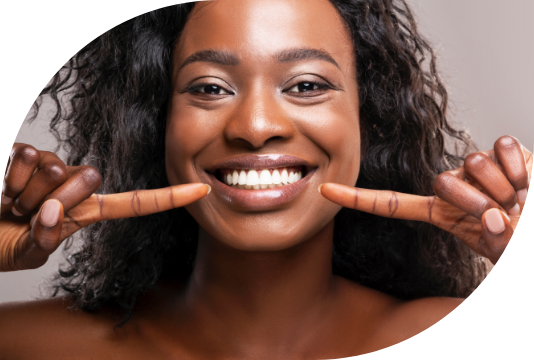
{"x":209,"y":89}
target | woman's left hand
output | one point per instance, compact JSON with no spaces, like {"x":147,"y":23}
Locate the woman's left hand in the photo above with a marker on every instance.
{"x":480,"y":202}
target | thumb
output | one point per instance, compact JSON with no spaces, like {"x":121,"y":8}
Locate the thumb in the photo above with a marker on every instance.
{"x":33,"y":250}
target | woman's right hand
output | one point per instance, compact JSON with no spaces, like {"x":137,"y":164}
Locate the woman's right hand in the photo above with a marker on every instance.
{"x":45,"y":201}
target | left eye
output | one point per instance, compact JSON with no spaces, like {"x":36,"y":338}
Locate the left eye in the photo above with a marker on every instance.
{"x":306,"y":87}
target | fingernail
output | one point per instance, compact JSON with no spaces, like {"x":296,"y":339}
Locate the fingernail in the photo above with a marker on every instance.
{"x":6,"y":200}
{"x":522,"y":195}
{"x":15,"y":212}
{"x":494,"y":221}
{"x":209,"y":188}
{"x":516,"y":210}
{"x":50,"y":213}
{"x":320,"y":189}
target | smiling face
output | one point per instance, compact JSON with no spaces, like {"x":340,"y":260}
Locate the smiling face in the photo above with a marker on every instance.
{"x":263,"y":88}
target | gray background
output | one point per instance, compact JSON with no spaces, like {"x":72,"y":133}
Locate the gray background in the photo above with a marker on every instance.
{"x":486,"y":54}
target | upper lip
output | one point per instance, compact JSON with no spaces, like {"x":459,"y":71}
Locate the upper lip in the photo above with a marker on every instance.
{"x":258,"y":162}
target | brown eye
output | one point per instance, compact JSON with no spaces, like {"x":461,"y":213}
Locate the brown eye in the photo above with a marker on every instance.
{"x":304,"y":87}
{"x":209,"y":89}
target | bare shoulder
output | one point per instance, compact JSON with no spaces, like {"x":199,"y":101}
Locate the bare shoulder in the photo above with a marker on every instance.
{"x":49,"y":326}
{"x":378,"y":320}
{"x":427,"y":311}
{"x":412,"y":317}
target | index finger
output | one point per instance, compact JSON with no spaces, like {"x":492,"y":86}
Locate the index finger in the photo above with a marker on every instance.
{"x":136,"y":203}
{"x":383,"y":203}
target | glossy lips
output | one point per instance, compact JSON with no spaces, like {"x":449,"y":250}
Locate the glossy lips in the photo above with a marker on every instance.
{"x":260,"y":171}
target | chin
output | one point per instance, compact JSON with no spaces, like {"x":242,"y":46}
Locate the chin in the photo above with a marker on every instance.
{"x":264,"y":241}
{"x":268,"y":232}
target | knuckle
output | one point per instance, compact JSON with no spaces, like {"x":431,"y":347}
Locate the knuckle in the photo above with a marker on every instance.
{"x":475,"y":160}
{"x":519,"y":180}
{"x":508,"y":197}
{"x":55,"y":173}
{"x":91,"y":177}
{"x":442,"y":183}
{"x":506,"y":141}
{"x":27,"y":154}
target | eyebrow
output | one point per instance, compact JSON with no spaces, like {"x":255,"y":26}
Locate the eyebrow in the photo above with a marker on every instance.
{"x":228,"y":58}
{"x":304,"y":54}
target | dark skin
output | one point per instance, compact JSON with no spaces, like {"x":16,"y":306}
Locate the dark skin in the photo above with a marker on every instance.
{"x":262,"y":286}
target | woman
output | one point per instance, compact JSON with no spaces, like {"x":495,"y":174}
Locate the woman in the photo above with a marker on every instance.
{"x":237,"y":95}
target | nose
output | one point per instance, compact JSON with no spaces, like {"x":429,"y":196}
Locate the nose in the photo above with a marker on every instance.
{"x":258,"y":120}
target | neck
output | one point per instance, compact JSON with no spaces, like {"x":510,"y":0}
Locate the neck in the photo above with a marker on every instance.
{"x":251,"y":297}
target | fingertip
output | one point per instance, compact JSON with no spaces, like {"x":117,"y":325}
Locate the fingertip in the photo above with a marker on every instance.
{"x":319,"y":189}
{"x":516,"y":210}
{"x":46,"y":230}
{"x":522,"y":195}
{"x":494,"y":221}
{"x":16,"y":212}
{"x":50,"y":213}
{"x":331,"y":186}
{"x":6,"y":200}
{"x":505,"y":215}
{"x":209,"y":188}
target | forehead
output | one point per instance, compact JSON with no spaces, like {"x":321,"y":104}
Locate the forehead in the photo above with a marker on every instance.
{"x":261,"y":28}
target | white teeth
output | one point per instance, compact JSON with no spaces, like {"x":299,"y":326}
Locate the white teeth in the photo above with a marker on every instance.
{"x":284,"y":176}
{"x":291,"y":178}
{"x":235,"y":177}
{"x":242,"y":178}
{"x":252,"y":178}
{"x":276,"y":177}
{"x":265,"y":177}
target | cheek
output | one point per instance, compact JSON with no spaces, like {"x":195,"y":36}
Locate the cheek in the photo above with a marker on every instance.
{"x":336,"y":130}
{"x":187,"y":133}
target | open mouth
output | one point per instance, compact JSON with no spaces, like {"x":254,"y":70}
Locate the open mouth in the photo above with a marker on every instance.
{"x":259,"y":182}
{"x":253,"y":179}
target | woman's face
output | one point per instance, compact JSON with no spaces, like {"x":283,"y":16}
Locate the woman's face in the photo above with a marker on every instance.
{"x":263,"y":85}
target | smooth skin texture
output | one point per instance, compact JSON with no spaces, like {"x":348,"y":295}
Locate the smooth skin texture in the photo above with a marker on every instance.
{"x":262,"y":286}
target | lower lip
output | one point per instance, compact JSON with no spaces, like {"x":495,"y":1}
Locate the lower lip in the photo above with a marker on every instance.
{"x":259,"y":200}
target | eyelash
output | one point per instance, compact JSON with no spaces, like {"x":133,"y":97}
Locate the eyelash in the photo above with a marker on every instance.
{"x":316,"y":87}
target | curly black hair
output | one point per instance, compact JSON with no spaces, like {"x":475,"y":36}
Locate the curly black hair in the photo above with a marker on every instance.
{"x":111,"y":105}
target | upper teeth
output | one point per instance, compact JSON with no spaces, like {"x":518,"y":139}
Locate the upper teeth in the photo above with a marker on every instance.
{"x":263,"y":179}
